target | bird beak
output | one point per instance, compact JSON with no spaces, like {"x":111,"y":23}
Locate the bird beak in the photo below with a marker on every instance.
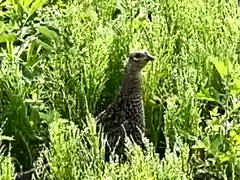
{"x":150,"y":57}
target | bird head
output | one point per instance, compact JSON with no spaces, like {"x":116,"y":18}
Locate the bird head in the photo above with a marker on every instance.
{"x":137,"y":60}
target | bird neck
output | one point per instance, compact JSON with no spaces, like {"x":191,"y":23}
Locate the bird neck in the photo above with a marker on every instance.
{"x":131,"y":82}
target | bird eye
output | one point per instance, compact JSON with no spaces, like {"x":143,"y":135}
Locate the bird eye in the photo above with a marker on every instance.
{"x":138,"y":55}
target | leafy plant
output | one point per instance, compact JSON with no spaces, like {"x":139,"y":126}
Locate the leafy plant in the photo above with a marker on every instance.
{"x":61,"y":63}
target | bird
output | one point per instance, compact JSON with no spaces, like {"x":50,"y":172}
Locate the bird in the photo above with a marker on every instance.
{"x":125,"y":116}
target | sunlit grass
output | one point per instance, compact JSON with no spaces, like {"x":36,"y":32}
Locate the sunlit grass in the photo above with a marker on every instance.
{"x":61,"y":63}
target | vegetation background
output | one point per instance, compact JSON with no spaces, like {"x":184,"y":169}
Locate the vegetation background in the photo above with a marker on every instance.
{"x":61,"y":64}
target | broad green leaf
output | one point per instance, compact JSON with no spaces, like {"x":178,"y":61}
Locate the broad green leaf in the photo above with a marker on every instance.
{"x":152,"y":102}
{"x":7,"y":38}
{"x":31,"y":55}
{"x":44,"y":45}
{"x":221,"y":67}
{"x":47,"y":32}
{"x":37,"y":4}
{"x":205,"y":97}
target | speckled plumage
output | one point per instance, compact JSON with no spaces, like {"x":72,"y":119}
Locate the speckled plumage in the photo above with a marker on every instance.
{"x":125,"y":116}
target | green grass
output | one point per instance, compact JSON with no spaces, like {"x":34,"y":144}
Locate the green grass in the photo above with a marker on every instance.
{"x":61,"y":63}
